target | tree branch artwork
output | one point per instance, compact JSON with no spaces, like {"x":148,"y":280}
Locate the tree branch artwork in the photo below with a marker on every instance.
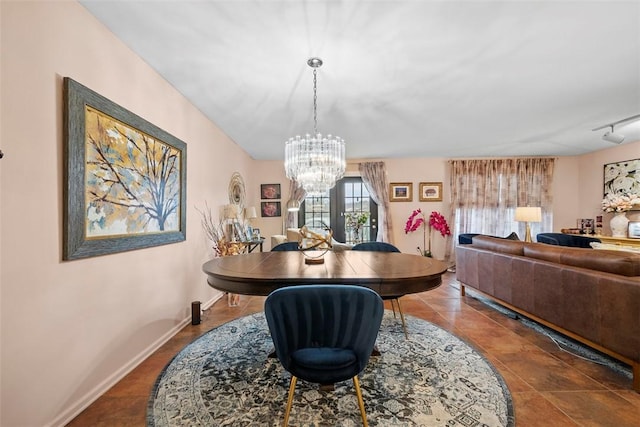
{"x":133,"y":180}
{"x":125,"y":178}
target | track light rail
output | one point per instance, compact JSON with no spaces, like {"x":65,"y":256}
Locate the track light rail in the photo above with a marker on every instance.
{"x":610,"y":125}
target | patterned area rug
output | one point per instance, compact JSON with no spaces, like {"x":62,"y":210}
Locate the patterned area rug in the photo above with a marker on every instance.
{"x":224,"y":378}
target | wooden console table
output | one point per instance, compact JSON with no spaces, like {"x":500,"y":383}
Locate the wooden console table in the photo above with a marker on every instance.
{"x":253,"y":244}
{"x":622,"y":241}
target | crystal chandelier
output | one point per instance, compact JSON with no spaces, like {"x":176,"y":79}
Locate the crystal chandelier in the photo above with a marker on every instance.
{"x":315,"y":161}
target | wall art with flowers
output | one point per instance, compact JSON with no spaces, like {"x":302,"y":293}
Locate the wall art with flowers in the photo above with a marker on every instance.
{"x":622,"y":178}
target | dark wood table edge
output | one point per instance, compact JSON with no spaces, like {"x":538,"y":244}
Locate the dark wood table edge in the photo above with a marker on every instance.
{"x":385,"y":287}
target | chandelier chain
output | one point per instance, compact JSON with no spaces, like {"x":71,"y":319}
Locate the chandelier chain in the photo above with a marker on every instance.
{"x":315,"y":101}
{"x":315,"y":161}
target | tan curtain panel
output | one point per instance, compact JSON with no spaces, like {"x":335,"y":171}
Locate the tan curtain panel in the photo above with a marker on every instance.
{"x":374,"y":177}
{"x":485,"y":193}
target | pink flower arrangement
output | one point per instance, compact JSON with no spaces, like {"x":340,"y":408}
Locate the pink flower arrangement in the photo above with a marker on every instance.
{"x":436,"y":221}
{"x":620,"y":202}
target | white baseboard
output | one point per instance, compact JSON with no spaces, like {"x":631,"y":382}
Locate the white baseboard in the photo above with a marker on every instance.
{"x":74,"y":410}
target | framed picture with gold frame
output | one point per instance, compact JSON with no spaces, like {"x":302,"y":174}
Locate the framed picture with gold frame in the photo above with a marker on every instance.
{"x":430,"y":191}
{"x":401,"y":192}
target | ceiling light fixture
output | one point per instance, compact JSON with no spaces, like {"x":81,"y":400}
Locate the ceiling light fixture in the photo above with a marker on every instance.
{"x":611,"y":135}
{"x":315,"y":161}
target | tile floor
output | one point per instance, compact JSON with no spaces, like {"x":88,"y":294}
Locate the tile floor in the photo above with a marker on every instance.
{"x":549,"y":387}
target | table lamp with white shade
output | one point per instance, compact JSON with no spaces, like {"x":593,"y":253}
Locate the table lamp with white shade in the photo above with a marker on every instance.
{"x":231,"y":213}
{"x":528,"y":214}
{"x":250,"y":214}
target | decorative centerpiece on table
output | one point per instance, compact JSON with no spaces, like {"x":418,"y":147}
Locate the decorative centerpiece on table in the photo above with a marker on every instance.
{"x":314,"y":243}
{"x":436,"y":222}
{"x":620,"y":204}
{"x":355,"y":221}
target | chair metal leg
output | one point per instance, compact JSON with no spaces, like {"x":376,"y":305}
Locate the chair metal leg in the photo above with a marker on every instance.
{"x":363,"y":414}
{"x":292,"y":387}
{"x":393,"y":307}
{"x":404,"y":325}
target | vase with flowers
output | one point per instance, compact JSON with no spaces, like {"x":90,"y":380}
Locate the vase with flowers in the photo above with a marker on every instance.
{"x":619,"y":204}
{"x":355,"y":221}
{"x":436,"y":222}
{"x":221,"y":246}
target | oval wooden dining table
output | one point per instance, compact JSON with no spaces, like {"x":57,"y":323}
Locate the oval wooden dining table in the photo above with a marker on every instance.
{"x":390,"y":274}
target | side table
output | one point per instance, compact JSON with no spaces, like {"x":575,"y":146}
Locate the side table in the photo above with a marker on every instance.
{"x":251,"y":245}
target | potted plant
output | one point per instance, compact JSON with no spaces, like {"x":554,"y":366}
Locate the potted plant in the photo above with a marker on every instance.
{"x":436,"y":222}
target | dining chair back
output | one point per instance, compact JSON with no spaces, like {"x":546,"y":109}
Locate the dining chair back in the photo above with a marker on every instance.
{"x":385,"y":247}
{"x":375,"y":246}
{"x":286,"y":246}
{"x":324,"y":333}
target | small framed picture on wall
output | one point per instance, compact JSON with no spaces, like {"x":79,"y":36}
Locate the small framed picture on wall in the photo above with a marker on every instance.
{"x":430,"y":191}
{"x":270,"y":209}
{"x":270,"y":191}
{"x":401,"y":192}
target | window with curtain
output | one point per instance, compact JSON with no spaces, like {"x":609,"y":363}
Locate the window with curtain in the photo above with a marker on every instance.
{"x":485,"y":194}
{"x":350,"y":195}
{"x":367,"y":192}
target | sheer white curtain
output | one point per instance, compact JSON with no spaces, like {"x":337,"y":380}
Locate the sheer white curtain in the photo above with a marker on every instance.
{"x":374,"y":177}
{"x":485,"y":193}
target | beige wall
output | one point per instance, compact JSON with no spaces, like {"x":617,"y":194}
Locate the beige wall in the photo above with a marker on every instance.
{"x":566,"y":178}
{"x":269,"y":172}
{"x":591,"y":172}
{"x":577,"y":190}
{"x":417,"y":171}
{"x":578,"y":184}
{"x":70,"y":328}
{"x":398,"y":170}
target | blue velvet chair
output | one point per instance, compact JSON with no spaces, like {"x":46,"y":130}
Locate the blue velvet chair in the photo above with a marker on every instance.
{"x":286,"y":246}
{"x":467,"y":238}
{"x":385,"y":247}
{"x":572,"y":240}
{"x":375,"y":246}
{"x":324,"y":333}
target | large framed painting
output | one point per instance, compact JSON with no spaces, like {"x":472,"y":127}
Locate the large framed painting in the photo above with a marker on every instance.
{"x":125,"y":178}
{"x":622,"y":177}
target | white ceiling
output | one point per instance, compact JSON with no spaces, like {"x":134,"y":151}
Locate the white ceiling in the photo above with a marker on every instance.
{"x":403,"y":78}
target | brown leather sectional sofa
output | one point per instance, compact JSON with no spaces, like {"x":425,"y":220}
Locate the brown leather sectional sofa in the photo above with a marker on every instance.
{"x":590,"y":295}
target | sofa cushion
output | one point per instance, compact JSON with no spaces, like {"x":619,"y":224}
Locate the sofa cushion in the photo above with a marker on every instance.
{"x":623,"y":263}
{"x":499,"y":244}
